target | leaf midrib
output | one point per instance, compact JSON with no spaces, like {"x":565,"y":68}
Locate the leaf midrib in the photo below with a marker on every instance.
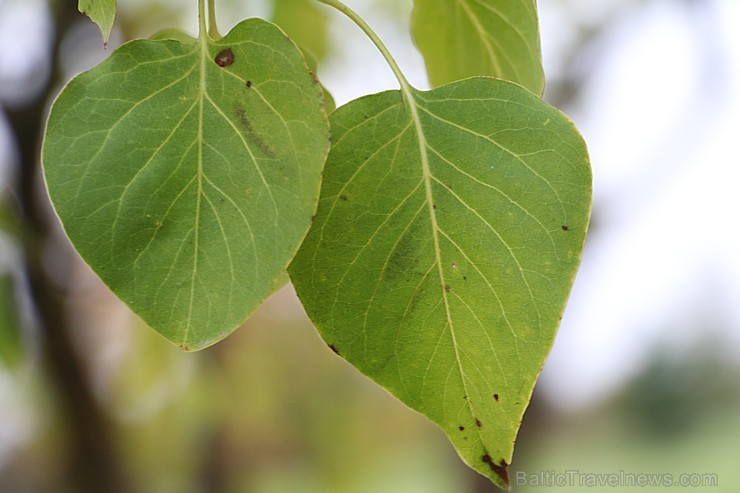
{"x":203,"y":38}
{"x":483,"y":35}
{"x":427,"y":176}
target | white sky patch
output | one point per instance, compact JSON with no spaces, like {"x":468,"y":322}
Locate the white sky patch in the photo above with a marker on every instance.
{"x":358,"y":68}
{"x":24,"y":38}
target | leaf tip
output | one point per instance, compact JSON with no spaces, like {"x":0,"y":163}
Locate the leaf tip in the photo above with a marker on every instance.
{"x":500,"y":469}
{"x":194,"y":346}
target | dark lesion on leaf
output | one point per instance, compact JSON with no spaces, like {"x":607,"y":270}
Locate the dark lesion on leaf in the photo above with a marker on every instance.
{"x":403,"y":262}
{"x":461,"y":428}
{"x":249,"y":84}
{"x":315,"y":79}
{"x":343,"y":198}
{"x":478,"y":423}
{"x":333,"y":348}
{"x":564,"y":228}
{"x":252,"y":136}
{"x":500,"y":468}
{"x":224,"y":58}
{"x":495,"y":397}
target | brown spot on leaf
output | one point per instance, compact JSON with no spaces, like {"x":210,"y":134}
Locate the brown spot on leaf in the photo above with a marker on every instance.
{"x":447,"y":288}
{"x":501,"y":469}
{"x":495,"y":397}
{"x":461,"y":428}
{"x":224,"y":58}
{"x":343,"y":198}
{"x":404,"y":259}
{"x":331,"y":346}
{"x":251,"y":135}
{"x":249,"y":84}
{"x":564,"y":228}
{"x":478,"y":423}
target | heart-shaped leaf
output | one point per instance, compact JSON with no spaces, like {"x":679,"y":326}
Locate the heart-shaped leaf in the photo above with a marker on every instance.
{"x":464,"y":38}
{"x":447,"y":238}
{"x":101,"y":12}
{"x":186,"y":174}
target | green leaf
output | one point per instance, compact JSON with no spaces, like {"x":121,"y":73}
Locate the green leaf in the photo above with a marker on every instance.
{"x":464,"y":38}
{"x":101,"y":12}
{"x":446,"y":241}
{"x":186,"y":175}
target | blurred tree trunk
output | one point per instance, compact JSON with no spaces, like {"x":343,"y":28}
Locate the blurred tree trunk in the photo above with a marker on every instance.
{"x":93,"y":461}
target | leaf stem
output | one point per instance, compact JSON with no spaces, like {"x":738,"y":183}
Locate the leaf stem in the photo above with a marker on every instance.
{"x":207,"y":28}
{"x":202,"y":30}
{"x":212,"y":27}
{"x":354,"y":17}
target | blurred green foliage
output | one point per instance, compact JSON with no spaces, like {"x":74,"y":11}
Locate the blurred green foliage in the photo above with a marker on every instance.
{"x":10,"y":341}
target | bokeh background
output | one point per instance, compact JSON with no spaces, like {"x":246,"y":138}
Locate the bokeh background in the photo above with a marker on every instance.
{"x":643,"y":377}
